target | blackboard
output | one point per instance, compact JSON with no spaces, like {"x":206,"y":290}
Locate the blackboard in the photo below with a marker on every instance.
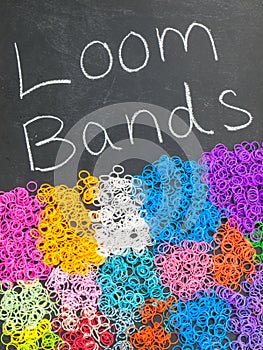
{"x":88,"y":66}
{"x":50,"y":38}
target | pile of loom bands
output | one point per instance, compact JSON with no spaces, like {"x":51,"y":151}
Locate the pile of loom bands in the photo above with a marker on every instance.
{"x":152,"y":333}
{"x":185,"y":268}
{"x":171,"y":258}
{"x":233,"y":257}
{"x":201,"y":321}
{"x":119,"y":224}
{"x":175,"y":201}
{"x":20,"y":259}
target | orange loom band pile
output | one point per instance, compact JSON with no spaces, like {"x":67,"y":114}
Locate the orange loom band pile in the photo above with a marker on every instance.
{"x":233,"y":256}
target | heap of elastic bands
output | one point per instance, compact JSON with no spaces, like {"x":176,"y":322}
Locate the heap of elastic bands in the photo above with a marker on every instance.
{"x":64,"y":233}
{"x":201,"y":322}
{"x":175,"y":204}
{"x":83,"y":329}
{"x":170,"y":259}
{"x":126,"y":281}
{"x":246,"y":312}
{"x":118,"y":224}
{"x":41,"y":337}
{"x":235,"y":181}
{"x":24,"y":306}
{"x":151,"y":333}
{"x":19,"y":257}
{"x":74,"y":291}
{"x":186,"y":268}
{"x":232,"y":256}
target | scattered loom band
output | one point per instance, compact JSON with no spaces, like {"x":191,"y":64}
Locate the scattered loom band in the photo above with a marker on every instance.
{"x":256,"y":240}
{"x":87,"y":186}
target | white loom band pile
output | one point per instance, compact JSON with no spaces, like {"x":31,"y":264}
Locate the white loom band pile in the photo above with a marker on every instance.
{"x":118,"y":224}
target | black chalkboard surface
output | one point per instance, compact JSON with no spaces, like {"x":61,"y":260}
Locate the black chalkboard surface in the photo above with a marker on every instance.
{"x":107,"y":53}
{"x":87,"y":84}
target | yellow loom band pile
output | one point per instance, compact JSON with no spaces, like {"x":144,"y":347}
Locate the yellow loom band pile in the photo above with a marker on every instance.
{"x":40,"y":337}
{"x":65,"y":235}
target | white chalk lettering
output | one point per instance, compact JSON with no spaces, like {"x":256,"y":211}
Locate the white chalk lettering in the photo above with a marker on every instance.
{"x":131,"y":123}
{"x":84,"y":71}
{"x":106,"y":140}
{"x":189,"y":110}
{"x":239,"y":127}
{"x":53,"y":138}
{"x":23,"y":93}
{"x":146,"y":49}
{"x":185,"y":39}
